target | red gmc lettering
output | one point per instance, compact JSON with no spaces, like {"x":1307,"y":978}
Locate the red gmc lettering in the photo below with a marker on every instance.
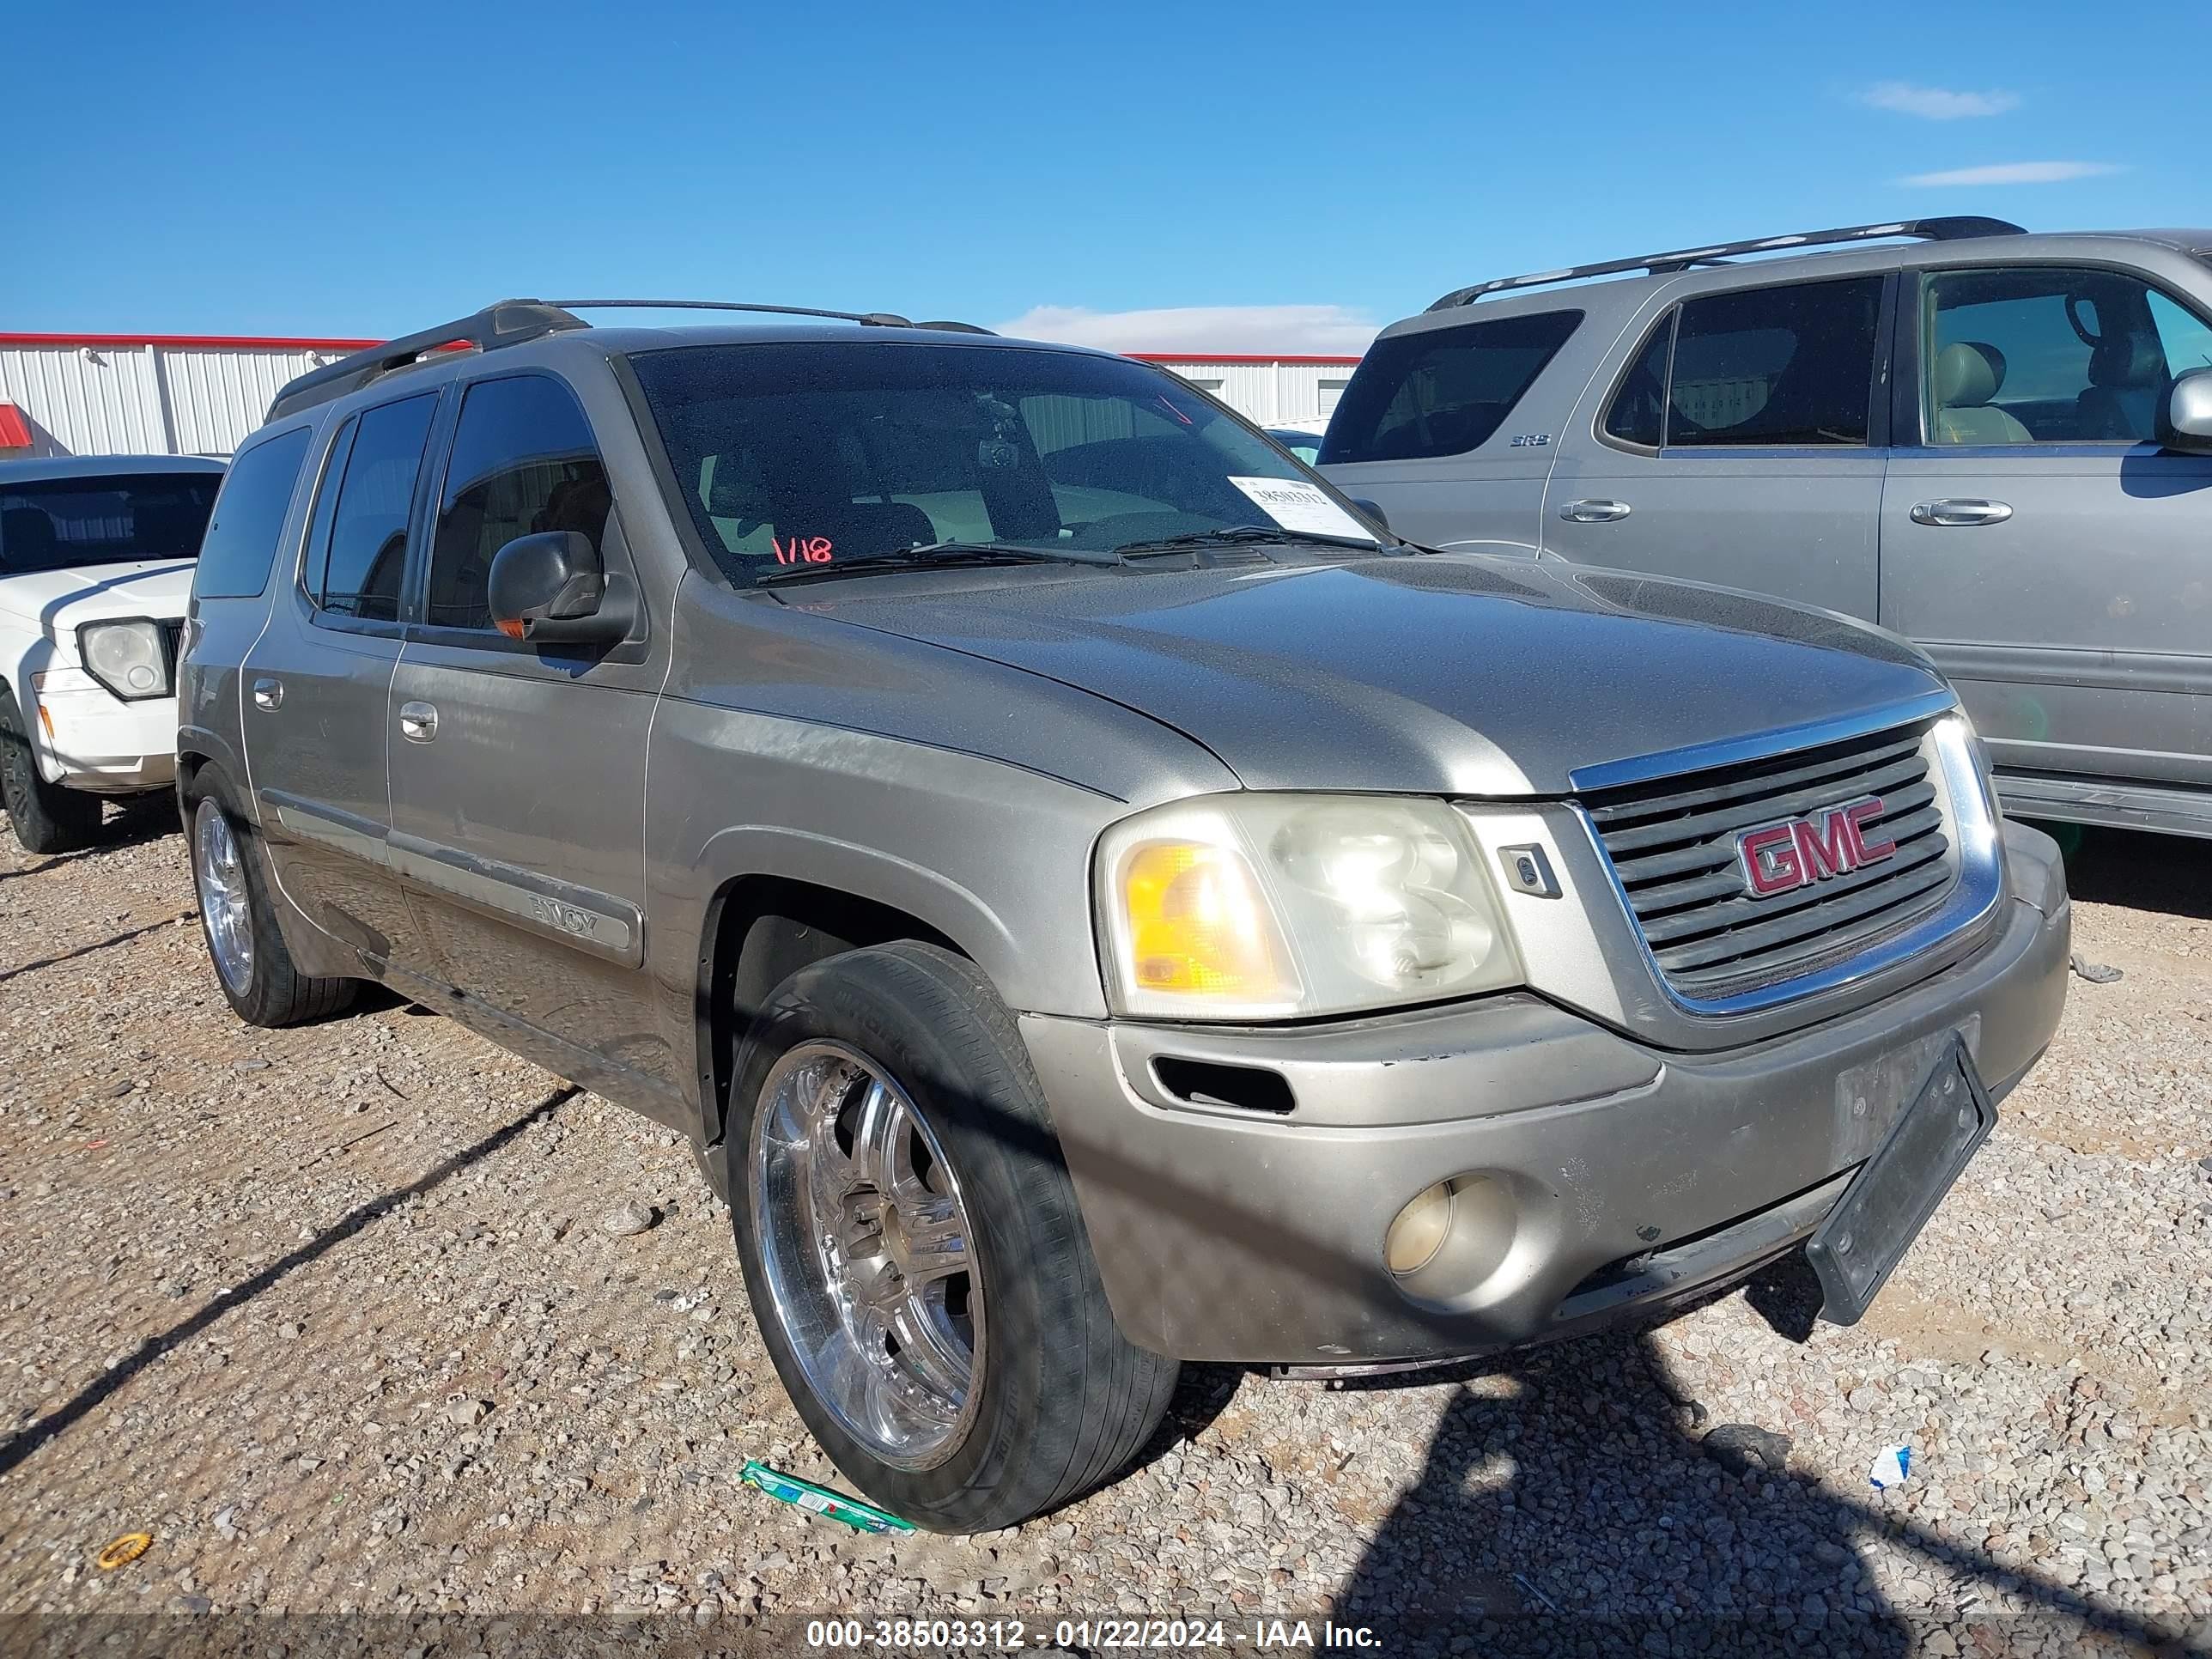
{"x":1830,"y":850}
{"x":1858,"y":812}
{"x":1780,"y":857}
{"x":1770,"y":861}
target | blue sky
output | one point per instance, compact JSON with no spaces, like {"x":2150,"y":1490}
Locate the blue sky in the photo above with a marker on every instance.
{"x":1301,"y":172}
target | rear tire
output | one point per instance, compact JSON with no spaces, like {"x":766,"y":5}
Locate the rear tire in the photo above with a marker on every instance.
{"x":48,"y":818}
{"x":230,"y":877}
{"x":1056,"y":1400}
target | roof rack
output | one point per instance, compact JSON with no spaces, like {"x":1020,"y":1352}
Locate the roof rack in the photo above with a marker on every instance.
{"x":1953,"y":229}
{"x":511,"y":322}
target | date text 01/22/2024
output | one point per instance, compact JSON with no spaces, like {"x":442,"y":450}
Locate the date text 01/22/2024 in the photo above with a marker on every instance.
{"x":921,"y":1635}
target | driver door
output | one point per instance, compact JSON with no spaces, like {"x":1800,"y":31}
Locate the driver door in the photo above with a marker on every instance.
{"x":2036,"y":540}
{"x":518,"y":770}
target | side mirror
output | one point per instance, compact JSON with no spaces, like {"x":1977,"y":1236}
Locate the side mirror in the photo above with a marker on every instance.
{"x":551,"y":589}
{"x":1370,"y":510}
{"x":2189,"y":413}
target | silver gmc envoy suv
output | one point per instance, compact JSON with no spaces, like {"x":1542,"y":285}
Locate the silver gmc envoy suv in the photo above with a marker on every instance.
{"x":1093,"y":896}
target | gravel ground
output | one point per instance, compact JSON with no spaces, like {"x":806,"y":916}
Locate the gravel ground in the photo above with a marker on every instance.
{"x":341,"y":1318}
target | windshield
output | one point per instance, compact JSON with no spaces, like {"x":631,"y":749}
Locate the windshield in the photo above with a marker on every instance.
{"x":59,"y":523}
{"x":812,"y":454}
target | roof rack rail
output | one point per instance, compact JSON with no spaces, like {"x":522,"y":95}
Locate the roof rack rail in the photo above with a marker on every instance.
{"x":506,"y":322}
{"x":511,"y":322}
{"x":870,"y":318}
{"x":1951,"y":229}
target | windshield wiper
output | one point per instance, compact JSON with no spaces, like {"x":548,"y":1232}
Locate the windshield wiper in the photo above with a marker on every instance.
{"x":1232,"y":535}
{"x":934,"y":555}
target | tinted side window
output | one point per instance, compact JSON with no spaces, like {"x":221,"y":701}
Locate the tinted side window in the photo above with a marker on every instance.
{"x":1441,"y":392}
{"x":1638,"y":412}
{"x":249,"y":516}
{"x":366,"y":554}
{"x":1775,"y":366}
{"x":523,"y":462}
{"x":2047,"y":355}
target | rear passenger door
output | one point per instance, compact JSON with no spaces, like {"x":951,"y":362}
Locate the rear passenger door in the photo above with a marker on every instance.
{"x":2036,"y":540}
{"x":518,"y":771}
{"x":1741,"y":444}
{"x":244,"y":543}
{"x":317,"y":686}
{"x":1428,"y":429}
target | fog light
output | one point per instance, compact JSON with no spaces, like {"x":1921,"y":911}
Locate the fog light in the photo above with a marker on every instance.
{"x":1420,"y":1230}
{"x":1451,"y":1241}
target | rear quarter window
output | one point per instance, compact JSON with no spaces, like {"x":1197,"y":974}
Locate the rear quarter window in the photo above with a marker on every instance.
{"x":241,"y":544}
{"x":1443,"y":392}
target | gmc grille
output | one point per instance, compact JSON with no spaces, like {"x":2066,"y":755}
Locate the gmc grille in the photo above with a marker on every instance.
{"x":1672,"y":844}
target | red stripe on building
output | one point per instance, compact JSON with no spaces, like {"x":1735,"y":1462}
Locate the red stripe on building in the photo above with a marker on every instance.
{"x":14,"y":430}
{"x":209,"y":342}
{"x":1230,"y":357}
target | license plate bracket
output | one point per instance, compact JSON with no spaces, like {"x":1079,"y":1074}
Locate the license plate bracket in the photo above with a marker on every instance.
{"x":1856,"y":1248}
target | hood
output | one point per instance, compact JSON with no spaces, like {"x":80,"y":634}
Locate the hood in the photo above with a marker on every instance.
{"x":59,"y":602}
{"x":1426,"y":674}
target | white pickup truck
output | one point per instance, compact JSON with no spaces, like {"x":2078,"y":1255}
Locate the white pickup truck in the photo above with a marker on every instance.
{"x":96,"y":556}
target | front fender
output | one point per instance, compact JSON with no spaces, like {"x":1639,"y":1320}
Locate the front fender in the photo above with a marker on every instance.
{"x":993,"y":856}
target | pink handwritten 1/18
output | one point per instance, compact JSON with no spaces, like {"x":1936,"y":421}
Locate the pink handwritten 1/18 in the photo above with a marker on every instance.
{"x":802,"y":549}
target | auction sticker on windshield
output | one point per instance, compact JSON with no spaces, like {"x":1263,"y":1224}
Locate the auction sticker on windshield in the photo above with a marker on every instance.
{"x":1296,"y":505}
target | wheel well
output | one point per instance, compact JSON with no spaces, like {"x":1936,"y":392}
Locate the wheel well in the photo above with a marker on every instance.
{"x":760,"y":931}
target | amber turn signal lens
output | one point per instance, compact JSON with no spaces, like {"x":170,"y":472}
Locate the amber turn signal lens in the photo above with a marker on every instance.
{"x":1197,"y":923}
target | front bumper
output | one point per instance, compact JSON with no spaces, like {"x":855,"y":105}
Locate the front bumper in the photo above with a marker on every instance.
{"x":90,"y":740}
{"x":1638,"y":1176}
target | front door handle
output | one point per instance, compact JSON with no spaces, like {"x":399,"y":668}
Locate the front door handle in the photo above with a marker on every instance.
{"x":418,"y":722}
{"x":1962,"y":512}
{"x":1594,"y":512}
{"x":268,"y":693}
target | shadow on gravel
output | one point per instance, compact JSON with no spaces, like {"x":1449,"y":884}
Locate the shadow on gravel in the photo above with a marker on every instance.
{"x":99,"y":945}
{"x":133,"y":824}
{"x":2141,"y":872}
{"x":1703,"y":1542}
{"x":29,"y":1439}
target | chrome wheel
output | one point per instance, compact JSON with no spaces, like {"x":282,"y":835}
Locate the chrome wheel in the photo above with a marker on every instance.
{"x":864,"y":1241}
{"x":223,"y":903}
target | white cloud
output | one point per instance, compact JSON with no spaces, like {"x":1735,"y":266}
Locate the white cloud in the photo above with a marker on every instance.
{"x":2016,"y":173}
{"x":1319,"y":330}
{"x":1937,"y":103}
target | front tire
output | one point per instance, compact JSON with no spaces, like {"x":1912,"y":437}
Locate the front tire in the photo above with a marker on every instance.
{"x":48,"y":818}
{"x":238,"y":922}
{"x":906,"y":1225}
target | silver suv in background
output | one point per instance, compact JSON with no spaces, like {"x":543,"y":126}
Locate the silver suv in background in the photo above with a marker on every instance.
{"x":1091,"y":899}
{"x":1999,"y":445}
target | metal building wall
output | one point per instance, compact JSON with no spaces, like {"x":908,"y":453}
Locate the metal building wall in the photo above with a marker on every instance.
{"x":148,"y":398}
{"x":1269,"y":390}
{"x":217,"y":398}
{"x":102,"y":395}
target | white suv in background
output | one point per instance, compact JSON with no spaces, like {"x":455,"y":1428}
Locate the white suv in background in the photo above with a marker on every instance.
{"x":96,"y":556}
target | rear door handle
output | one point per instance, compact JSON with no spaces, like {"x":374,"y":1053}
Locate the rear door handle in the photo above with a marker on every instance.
{"x":268,"y":693}
{"x":418,"y":722}
{"x":1594,"y":512}
{"x":1962,"y":512}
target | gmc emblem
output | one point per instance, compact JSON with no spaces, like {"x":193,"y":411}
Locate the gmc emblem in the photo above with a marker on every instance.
{"x":1780,"y":857}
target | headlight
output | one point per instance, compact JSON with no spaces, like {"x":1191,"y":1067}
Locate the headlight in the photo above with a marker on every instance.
{"x":1272,"y":907}
{"x":128,"y":658}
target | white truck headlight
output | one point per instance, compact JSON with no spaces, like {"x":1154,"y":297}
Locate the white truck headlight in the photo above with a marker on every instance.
{"x":128,"y":658}
{"x":1277,"y":907}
